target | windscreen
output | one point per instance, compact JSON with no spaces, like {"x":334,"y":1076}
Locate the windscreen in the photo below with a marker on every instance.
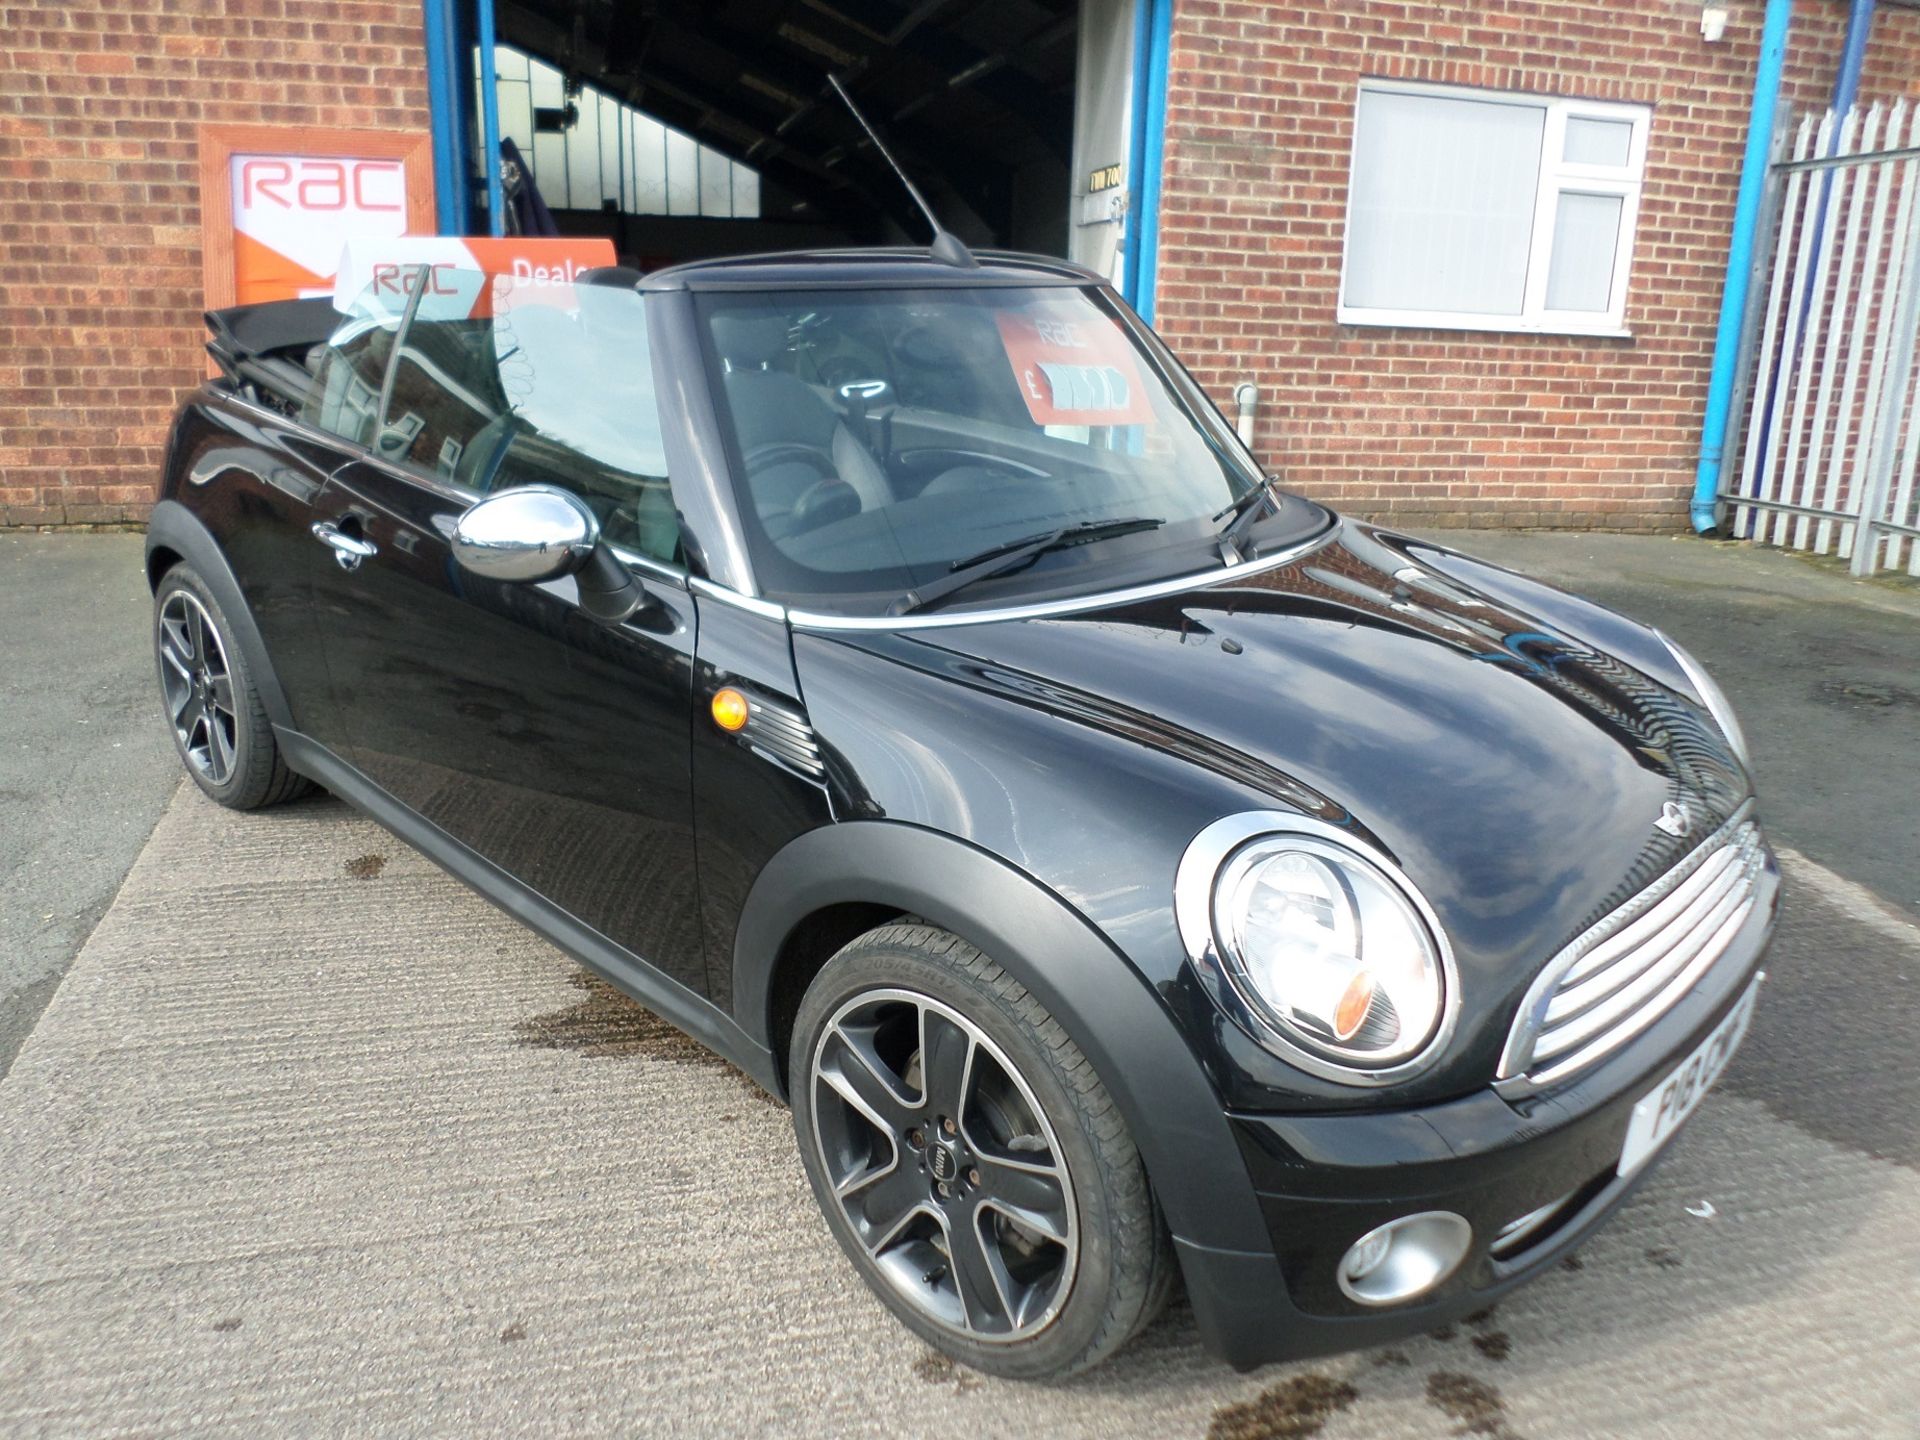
{"x":884,"y":438}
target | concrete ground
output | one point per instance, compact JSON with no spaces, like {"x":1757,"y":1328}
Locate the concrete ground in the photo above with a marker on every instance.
{"x":85,"y":765}
{"x":312,"y":1140}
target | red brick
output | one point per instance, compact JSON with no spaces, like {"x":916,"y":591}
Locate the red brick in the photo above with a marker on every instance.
{"x":100,"y":109}
{"x":1436,"y":427}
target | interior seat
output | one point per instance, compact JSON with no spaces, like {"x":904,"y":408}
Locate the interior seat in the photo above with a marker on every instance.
{"x":774,"y":407}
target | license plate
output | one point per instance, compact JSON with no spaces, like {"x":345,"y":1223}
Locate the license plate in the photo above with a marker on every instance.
{"x":1664,"y":1108}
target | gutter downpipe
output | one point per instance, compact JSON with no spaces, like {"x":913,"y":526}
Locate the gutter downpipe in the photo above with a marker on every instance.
{"x":444,"y":116}
{"x":490,"y":119}
{"x":1733,"y":299}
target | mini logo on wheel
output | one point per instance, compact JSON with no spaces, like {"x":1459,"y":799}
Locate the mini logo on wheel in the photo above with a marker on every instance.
{"x":941,"y":1162}
{"x":1675,"y":820}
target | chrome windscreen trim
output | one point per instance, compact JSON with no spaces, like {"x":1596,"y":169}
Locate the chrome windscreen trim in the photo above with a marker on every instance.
{"x":752,"y":604}
{"x":1067,"y":605}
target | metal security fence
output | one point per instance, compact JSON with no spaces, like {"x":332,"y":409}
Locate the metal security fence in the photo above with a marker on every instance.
{"x":1831,"y":437}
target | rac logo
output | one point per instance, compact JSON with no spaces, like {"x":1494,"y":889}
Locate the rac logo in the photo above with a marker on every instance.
{"x":391,"y":279}
{"x":300,"y":183}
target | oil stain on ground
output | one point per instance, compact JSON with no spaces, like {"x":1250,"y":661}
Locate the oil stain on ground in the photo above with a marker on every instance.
{"x":938,"y":1369}
{"x":1492,"y":1343}
{"x":365,"y":867}
{"x":1291,"y":1410}
{"x":606,"y":1024}
{"x":1475,"y":1407}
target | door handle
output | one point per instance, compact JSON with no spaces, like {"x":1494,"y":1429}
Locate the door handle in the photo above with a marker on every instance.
{"x":348,"y":550}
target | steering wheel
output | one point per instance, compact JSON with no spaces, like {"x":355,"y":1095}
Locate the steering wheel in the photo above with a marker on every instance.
{"x":790,"y":452}
{"x":823,"y":502}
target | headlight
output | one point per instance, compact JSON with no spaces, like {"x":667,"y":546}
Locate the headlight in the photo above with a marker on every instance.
{"x":1325,"y":954}
{"x":1712,"y":696}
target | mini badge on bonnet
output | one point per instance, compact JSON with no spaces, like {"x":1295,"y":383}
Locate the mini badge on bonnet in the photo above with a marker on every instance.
{"x":1675,"y":820}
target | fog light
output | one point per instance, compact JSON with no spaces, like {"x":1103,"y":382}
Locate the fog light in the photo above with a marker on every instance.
{"x":1365,"y":1256}
{"x":1405,"y":1258}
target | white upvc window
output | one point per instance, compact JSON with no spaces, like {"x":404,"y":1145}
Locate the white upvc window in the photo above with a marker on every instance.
{"x":1491,"y":210}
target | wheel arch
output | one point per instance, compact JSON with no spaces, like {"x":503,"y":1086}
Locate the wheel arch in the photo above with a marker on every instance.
{"x":175,"y":535}
{"x":834,"y":883}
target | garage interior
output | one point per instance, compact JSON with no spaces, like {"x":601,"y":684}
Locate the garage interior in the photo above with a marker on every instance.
{"x":975,"y":97}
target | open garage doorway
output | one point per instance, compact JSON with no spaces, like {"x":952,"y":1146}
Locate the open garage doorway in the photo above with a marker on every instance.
{"x":685,"y":130}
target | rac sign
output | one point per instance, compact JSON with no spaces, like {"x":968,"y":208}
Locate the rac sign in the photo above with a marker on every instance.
{"x":298,"y":182}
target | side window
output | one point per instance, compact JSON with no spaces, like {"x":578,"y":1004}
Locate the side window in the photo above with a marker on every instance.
{"x":345,"y":397}
{"x":536,"y":386}
{"x":446,"y":407}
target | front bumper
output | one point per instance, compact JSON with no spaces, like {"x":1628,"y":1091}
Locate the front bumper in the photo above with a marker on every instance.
{"x":1322,"y":1181}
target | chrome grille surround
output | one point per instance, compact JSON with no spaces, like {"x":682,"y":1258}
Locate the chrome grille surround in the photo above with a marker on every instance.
{"x":1636,"y":962}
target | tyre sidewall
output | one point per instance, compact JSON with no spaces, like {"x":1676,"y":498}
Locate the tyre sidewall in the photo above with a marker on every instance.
{"x":250,"y":728}
{"x":1058,"y":1348}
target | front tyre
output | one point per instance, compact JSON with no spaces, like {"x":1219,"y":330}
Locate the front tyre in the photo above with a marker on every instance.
{"x":969,"y":1161}
{"x":219,"y":726}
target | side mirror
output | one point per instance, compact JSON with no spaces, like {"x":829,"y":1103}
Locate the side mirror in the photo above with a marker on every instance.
{"x":536,"y":533}
{"x":526,"y":535}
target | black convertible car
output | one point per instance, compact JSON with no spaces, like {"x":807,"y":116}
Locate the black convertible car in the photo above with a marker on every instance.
{"x":889,"y":668}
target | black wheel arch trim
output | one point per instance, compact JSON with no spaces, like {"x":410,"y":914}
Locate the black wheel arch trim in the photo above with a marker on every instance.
{"x":174,"y":528}
{"x":1172,"y":1111}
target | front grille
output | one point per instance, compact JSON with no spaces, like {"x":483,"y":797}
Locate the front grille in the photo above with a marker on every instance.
{"x":1633,"y":965}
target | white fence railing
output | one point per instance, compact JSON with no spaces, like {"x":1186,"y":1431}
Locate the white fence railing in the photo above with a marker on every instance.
{"x":1832,"y":430}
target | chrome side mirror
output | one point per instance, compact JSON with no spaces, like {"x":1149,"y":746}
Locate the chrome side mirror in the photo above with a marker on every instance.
{"x":535,"y":533}
{"x":526,"y":535}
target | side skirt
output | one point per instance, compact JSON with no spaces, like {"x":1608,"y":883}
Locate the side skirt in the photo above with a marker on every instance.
{"x":620,"y":967}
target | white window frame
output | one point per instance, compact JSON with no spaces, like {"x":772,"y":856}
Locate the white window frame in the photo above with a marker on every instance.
{"x":1557,"y":177}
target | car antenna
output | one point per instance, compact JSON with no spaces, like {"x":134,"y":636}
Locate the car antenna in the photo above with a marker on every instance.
{"x":946,"y":246}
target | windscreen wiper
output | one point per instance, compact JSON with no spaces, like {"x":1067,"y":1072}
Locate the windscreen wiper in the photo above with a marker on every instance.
{"x":1245,"y":510}
{"x":1009,"y":556}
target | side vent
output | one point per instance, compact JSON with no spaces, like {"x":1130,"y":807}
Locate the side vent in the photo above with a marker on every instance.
{"x":782,"y":734}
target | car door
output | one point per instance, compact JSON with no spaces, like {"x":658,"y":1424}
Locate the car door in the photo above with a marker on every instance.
{"x":553,"y":745}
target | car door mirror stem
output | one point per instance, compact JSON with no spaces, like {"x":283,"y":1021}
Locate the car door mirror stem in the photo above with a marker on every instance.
{"x":609,"y":591}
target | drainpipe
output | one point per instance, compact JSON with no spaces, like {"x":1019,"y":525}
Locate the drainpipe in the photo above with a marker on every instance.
{"x":444,"y":111}
{"x":1246,"y":402}
{"x":490,"y":120}
{"x":1733,"y":299}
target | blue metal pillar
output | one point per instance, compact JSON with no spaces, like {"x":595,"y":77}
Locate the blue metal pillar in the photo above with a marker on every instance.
{"x":490,"y":118}
{"x":1853,"y":55}
{"x":1152,"y":42}
{"x":447,"y":83}
{"x":1733,"y":300}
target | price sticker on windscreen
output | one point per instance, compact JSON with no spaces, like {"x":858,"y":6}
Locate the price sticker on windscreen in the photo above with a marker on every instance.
{"x":1072,"y":368}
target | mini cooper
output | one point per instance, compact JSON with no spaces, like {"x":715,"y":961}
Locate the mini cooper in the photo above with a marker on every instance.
{"x":888,"y":667}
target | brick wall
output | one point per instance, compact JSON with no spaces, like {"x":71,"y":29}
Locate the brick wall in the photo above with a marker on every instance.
{"x":100,"y":269}
{"x":1436,"y":427}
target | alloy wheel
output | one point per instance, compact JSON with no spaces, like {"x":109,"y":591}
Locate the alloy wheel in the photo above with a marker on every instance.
{"x":197,"y":686}
{"x":944,"y":1165}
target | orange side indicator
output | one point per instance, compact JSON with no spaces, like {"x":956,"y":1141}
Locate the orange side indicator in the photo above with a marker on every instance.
{"x":730,"y":710}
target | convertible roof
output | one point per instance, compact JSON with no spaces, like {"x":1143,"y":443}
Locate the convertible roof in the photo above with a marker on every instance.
{"x":248,"y":330}
{"x":868,"y":269}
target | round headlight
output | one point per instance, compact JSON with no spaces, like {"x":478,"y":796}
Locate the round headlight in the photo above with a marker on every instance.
{"x":1329,"y":951}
